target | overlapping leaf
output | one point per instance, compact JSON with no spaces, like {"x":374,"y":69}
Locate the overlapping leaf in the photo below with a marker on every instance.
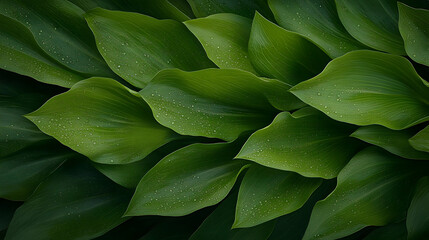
{"x":368,"y":87}
{"x":417,"y":220}
{"x":103,"y":120}
{"x":245,"y":8}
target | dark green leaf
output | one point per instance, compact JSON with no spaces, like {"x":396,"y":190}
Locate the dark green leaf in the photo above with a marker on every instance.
{"x":7,"y":209}
{"x":414,"y":28}
{"x":395,"y":231}
{"x":373,"y":23}
{"x":306,"y":142}
{"x":318,"y":21}
{"x":225,"y":37}
{"x":417,"y":217}
{"x":420,"y":141}
{"x":372,"y":190}
{"x":76,"y":202}
{"x":187,"y":180}
{"x":267,"y":193}
{"x":245,"y":8}
{"x":367,"y":87}
{"x":136,"y":46}
{"x":217,"y":103}
{"x":103,"y":120}
{"x":283,"y":55}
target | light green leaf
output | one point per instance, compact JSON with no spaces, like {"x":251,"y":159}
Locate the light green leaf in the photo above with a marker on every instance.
{"x":373,"y":23}
{"x":267,"y":193}
{"x":284,"y":55}
{"x":76,"y":202}
{"x":60,"y":30}
{"x":306,"y":142}
{"x":225,"y":37}
{"x":367,"y":87}
{"x":136,"y":46}
{"x":417,"y":216}
{"x":414,"y":29}
{"x":395,"y":231}
{"x":187,"y":180}
{"x":21,"y":54}
{"x":245,"y":8}
{"x":318,"y":21}
{"x":218,"y":225}
{"x":216,"y":103}
{"x":394,"y":141}
{"x":420,"y":141}
{"x":372,"y":190}
{"x":102,"y":120}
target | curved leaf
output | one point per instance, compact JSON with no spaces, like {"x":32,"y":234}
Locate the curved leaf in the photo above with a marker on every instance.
{"x":372,"y":190}
{"x":245,"y":8}
{"x":76,"y":202}
{"x":225,"y":37}
{"x":136,"y":46}
{"x":373,"y":23}
{"x":306,"y":142}
{"x":420,"y":141}
{"x":417,"y":216}
{"x":267,"y":193}
{"x":218,"y":225}
{"x":367,"y":87}
{"x":7,"y":209}
{"x":60,"y":30}
{"x":318,"y":21}
{"x":188,"y":179}
{"x":396,"y":231}
{"x":216,"y":103}
{"x":283,"y":55}
{"x":415,"y":32}
{"x":103,"y":120}
{"x":393,"y":141}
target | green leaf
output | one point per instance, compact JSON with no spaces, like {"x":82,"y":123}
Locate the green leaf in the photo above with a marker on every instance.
{"x":187,"y":180}
{"x":373,"y":23}
{"x":102,"y":120}
{"x":245,"y":8}
{"x":420,"y":141}
{"x":267,"y":193}
{"x":216,"y":103}
{"x":415,"y":32}
{"x":136,"y":46}
{"x":417,"y":217}
{"x":76,"y":202}
{"x":287,"y":56}
{"x":60,"y":30}
{"x":367,"y":87}
{"x":395,"y":231}
{"x":7,"y":209}
{"x":21,"y":54}
{"x":318,"y":21}
{"x":225,"y":37}
{"x":218,"y":225}
{"x":372,"y":190}
{"x":306,"y":142}
{"x":393,"y":141}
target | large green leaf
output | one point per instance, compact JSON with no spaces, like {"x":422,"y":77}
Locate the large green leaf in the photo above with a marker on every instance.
{"x":136,"y":46}
{"x":414,"y":29}
{"x":394,"y":141}
{"x":217,"y":103}
{"x":245,"y":8}
{"x":372,"y":190}
{"x":306,"y":142}
{"x":287,"y":56}
{"x":76,"y":202}
{"x":395,"y":231}
{"x":318,"y":21}
{"x":218,"y":225}
{"x":367,"y":87}
{"x":187,"y":180}
{"x":267,"y":193}
{"x":103,"y":120}
{"x":417,"y":217}
{"x":60,"y":30}
{"x":373,"y":23}
{"x":225,"y":37}
{"x":420,"y":141}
